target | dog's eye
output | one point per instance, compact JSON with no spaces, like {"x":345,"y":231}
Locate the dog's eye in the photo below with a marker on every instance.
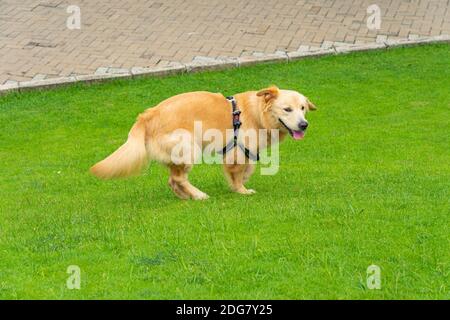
{"x":288,"y":109}
{"x":303,"y":108}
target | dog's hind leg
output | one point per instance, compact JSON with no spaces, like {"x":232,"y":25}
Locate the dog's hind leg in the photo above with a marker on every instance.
{"x":180,"y":184}
{"x":177,"y":190}
{"x":237,"y":174}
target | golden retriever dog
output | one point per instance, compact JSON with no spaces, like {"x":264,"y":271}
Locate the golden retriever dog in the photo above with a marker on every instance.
{"x":152,"y":138}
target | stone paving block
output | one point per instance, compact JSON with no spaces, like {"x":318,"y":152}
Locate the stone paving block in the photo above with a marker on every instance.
{"x":135,"y":38}
{"x":174,"y":68}
{"x":39,"y":76}
{"x":364,"y":47}
{"x":296,"y":55}
{"x":101,"y":71}
{"x":98,"y":77}
{"x":8,"y":87}
{"x":250,"y":60}
{"x":417,"y":41}
{"x":205,"y":63}
{"x":139,"y":70}
{"x":118,"y":71}
{"x":382,"y":38}
{"x":46,"y":83}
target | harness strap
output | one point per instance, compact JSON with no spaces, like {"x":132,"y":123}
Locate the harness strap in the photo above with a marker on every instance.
{"x":249,"y":154}
{"x":236,"y":125}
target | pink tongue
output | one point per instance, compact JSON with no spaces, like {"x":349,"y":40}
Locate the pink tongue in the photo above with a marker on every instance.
{"x":297,"y":135}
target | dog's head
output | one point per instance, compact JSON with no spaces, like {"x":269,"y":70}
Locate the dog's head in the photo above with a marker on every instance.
{"x":286,"y":110}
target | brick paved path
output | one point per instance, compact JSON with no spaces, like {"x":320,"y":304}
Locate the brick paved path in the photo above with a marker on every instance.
{"x":120,"y":34}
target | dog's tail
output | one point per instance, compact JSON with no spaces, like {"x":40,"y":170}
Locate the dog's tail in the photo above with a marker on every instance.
{"x":128,"y":160}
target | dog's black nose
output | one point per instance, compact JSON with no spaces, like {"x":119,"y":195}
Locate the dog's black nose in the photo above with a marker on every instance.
{"x":303,"y":125}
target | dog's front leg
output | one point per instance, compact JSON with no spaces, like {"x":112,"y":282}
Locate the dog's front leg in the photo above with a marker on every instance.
{"x":249,"y":169}
{"x":237,"y":175}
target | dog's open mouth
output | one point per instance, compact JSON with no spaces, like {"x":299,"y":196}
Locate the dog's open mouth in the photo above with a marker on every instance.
{"x":297,"y":135}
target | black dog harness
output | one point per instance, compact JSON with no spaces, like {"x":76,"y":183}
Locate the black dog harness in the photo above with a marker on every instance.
{"x":236,"y":125}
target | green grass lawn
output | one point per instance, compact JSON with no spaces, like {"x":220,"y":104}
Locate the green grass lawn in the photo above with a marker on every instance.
{"x":370,"y":184}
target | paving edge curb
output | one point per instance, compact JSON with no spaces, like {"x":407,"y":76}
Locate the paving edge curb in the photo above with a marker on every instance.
{"x":220,"y":64}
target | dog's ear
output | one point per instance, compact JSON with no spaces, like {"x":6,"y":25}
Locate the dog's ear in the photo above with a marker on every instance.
{"x":311,"y":106}
{"x":269,"y":94}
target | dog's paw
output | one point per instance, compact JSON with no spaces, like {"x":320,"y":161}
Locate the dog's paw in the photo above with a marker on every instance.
{"x":200,"y":196}
{"x":246,"y":191}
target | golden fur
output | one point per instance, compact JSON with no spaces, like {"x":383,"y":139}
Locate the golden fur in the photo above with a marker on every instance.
{"x":151,"y":136}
